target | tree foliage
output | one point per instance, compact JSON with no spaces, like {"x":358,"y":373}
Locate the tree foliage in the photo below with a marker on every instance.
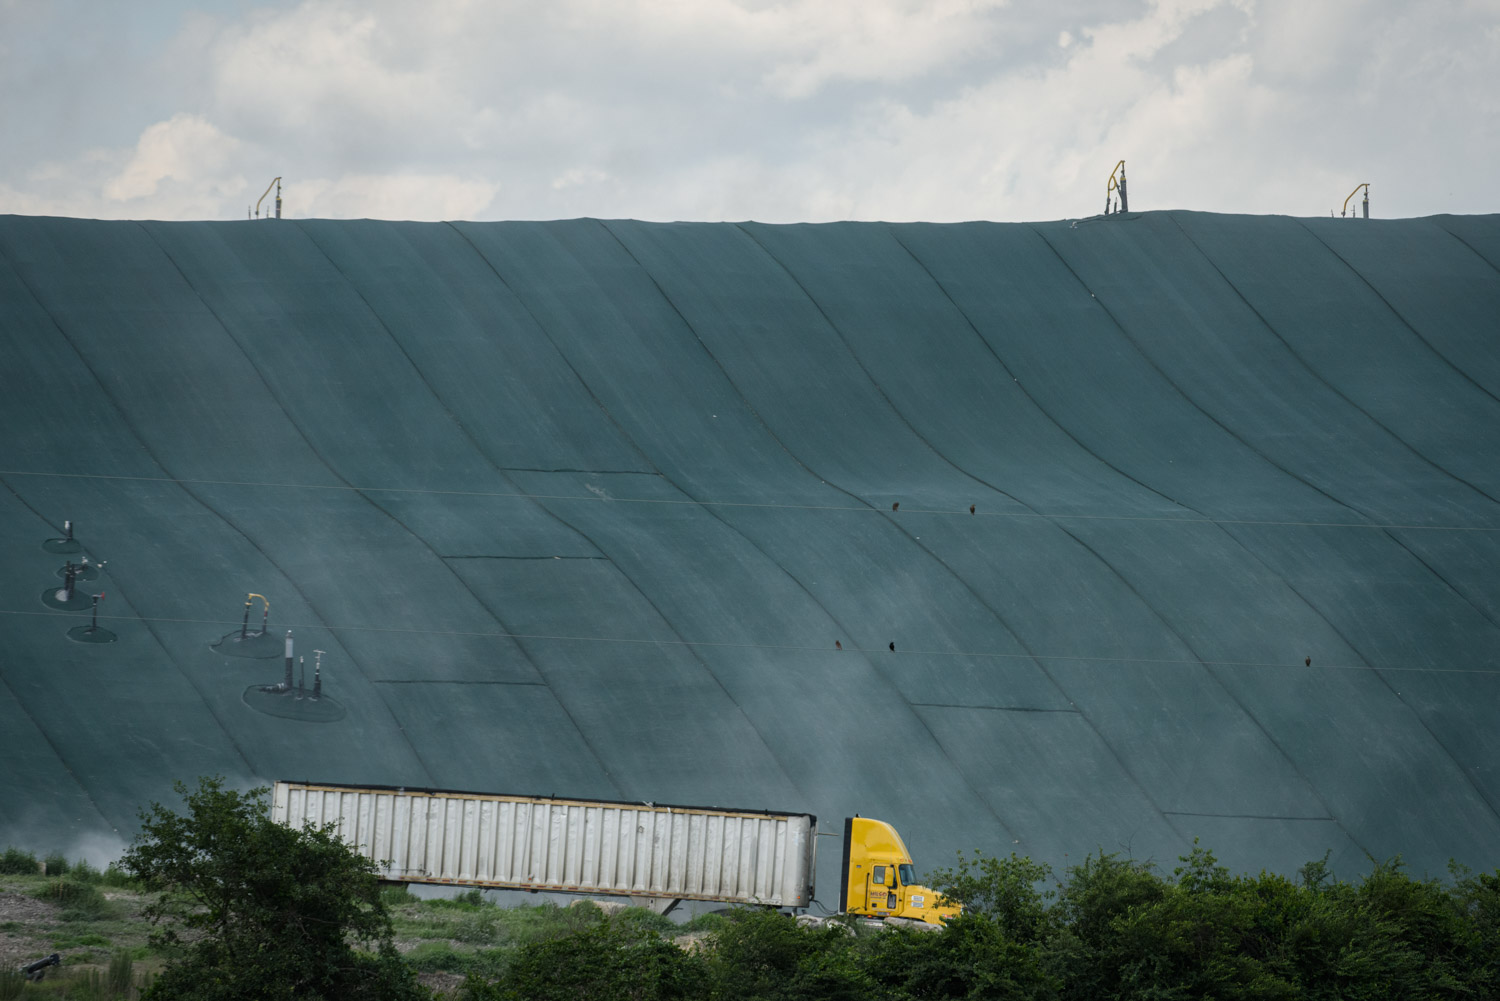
{"x":1112,"y":928}
{"x":255,"y":909}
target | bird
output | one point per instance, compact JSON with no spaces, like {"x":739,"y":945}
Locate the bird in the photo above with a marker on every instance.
{"x":837,"y":645}
{"x":1307,"y":662}
{"x":971,"y":508}
{"x":895,"y":505}
{"x":893,"y":646}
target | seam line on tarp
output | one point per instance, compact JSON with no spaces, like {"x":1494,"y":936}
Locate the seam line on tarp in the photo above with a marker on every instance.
{"x":870,"y":377}
{"x":1146,"y":604}
{"x":483,"y":455}
{"x":589,"y":472}
{"x":750,"y":542}
{"x":1316,"y":374}
{"x":992,"y":655}
{"x":1305,"y":364}
{"x":1404,"y":322}
{"x":1312,"y":786}
{"x":771,"y":433}
{"x":1483,"y":612}
{"x":630,"y":441}
{"x":56,"y":753}
{"x":455,"y":681}
{"x":1224,"y":689}
{"x":688,"y":500}
{"x":1016,"y":380}
{"x":979,"y":599}
{"x":1309,"y":604}
{"x":1189,"y":400}
{"x":998,"y":709}
{"x":129,"y":425}
{"x":1230,"y":694}
{"x":1452,"y":758}
{"x":275,"y":398}
{"x":627,"y":438}
{"x":1466,"y":243}
{"x":1256,"y":816}
{"x":601,"y":558}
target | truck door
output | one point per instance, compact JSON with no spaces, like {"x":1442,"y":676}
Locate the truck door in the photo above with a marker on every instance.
{"x":880,"y":895}
{"x":905,"y":876}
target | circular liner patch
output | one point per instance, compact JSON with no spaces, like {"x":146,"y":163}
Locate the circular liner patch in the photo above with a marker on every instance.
{"x":90,"y":572}
{"x":91,"y":634}
{"x":291,"y":704}
{"x":81,"y":602}
{"x":254,"y":645}
{"x":63,"y":547}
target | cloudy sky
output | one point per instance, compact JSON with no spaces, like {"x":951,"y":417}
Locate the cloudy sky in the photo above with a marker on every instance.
{"x":777,"y":110}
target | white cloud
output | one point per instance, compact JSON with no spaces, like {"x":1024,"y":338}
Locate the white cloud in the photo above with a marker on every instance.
{"x":576,"y":176}
{"x":387,"y":196}
{"x":773,"y":109}
{"x":185,"y":148}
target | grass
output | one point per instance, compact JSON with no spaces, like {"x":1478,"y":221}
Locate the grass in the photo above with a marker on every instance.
{"x":467,"y":935}
{"x":100,"y":932}
{"x":15,"y":862}
{"x":80,"y":901}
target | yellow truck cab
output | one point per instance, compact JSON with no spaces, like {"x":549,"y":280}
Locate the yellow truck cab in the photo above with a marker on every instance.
{"x":880,"y":879}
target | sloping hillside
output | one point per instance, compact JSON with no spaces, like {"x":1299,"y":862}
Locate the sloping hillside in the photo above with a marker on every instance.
{"x":682,"y":513}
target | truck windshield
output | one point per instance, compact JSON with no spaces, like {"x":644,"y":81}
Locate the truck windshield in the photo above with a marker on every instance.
{"x":908,"y":875}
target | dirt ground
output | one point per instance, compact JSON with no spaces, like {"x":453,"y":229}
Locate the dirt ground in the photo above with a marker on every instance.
{"x":17,"y":947}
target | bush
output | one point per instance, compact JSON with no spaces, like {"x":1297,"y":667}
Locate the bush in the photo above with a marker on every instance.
{"x":114,"y":876}
{"x":85,"y":873}
{"x":80,"y":901}
{"x":15,"y":862}
{"x":395,"y":896}
{"x":477,"y":928}
{"x":437,"y":957}
{"x":273,"y":910}
{"x":121,"y":970}
{"x":80,"y":942}
{"x":55,"y":864}
{"x":606,"y":962}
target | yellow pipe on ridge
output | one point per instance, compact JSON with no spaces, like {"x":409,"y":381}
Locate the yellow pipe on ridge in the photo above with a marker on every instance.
{"x":263,"y":197}
{"x":1362,"y":184}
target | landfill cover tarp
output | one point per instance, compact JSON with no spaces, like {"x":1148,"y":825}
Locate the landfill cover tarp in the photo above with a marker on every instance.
{"x":1046,"y":538}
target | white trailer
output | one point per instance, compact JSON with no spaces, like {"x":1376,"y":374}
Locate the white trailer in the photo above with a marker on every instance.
{"x":654,"y":853}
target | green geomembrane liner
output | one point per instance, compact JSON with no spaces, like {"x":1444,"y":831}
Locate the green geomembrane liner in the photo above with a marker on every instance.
{"x":682,"y":513}
{"x":255,"y":645}
{"x":293,"y":704}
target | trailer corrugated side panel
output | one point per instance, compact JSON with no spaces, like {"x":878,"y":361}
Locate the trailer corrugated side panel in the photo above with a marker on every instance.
{"x":581,"y":846}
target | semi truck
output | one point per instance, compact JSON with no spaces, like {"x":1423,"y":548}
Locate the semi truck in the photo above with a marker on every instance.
{"x":655,"y":854}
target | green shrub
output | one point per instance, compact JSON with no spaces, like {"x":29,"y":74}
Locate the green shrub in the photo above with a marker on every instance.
{"x":80,"y":942}
{"x":55,"y":864}
{"x":11,"y":984}
{"x":121,"y":970}
{"x":15,"y":862}
{"x":80,"y":901}
{"x":478,"y":927}
{"x":114,"y":876}
{"x":641,"y":919}
{"x":702,"y":922}
{"x":395,"y":896}
{"x":606,"y":962}
{"x":85,"y":873}
{"x":437,"y":957}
